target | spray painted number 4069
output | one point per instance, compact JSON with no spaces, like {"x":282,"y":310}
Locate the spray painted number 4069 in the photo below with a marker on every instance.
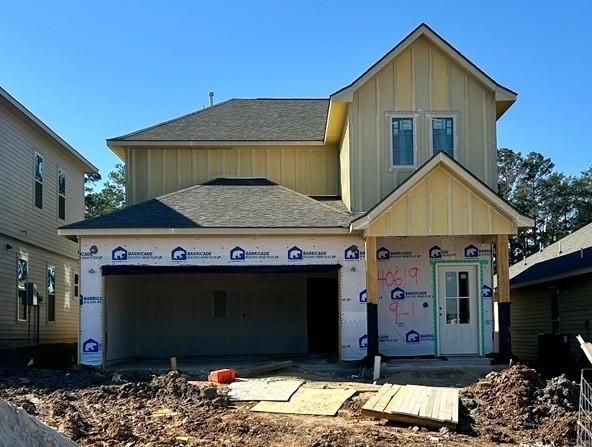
{"x":396,"y":278}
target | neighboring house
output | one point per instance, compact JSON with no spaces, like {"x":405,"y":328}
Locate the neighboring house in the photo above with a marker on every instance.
{"x":41,"y":188}
{"x":359,"y":223}
{"x":552,"y":294}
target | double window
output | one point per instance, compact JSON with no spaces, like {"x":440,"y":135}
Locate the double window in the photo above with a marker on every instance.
{"x":404,"y":133}
{"x":38,"y":175}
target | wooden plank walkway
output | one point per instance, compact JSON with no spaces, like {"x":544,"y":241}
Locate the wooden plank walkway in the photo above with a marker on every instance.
{"x":413,"y":404}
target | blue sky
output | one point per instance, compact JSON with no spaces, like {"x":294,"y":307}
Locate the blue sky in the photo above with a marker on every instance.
{"x":94,"y":70}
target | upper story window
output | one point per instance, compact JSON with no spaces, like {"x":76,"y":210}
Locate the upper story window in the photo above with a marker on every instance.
{"x":443,"y":134}
{"x":38,"y":173}
{"x":61,"y":195}
{"x":403,"y":138}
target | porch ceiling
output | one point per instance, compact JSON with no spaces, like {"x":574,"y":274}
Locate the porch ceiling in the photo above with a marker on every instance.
{"x":441,"y":198}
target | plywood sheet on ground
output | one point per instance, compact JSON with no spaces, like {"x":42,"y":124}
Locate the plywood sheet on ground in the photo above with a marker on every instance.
{"x":414,"y":404}
{"x":312,"y":401}
{"x":279,"y":390}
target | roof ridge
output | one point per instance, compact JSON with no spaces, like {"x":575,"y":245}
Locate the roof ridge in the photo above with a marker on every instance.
{"x":195,"y":112}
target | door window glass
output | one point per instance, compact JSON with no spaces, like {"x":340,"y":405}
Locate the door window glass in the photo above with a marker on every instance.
{"x":456,"y":295}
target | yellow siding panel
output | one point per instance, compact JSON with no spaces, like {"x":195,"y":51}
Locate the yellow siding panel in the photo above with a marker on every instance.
{"x":345,"y":169}
{"x":480,"y":216}
{"x":200,"y":166}
{"x":460,"y":208}
{"x":141,"y":173}
{"x":440,"y":85}
{"x":418,"y":216}
{"x":440,"y":198}
{"x":244,"y":169}
{"x":155,"y":174}
{"x":403,"y":82}
{"x":259,"y":164}
{"x":185,"y":169}
{"x":274,"y":165}
{"x":230,"y":163}
{"x":170,"y":171}
{"x":215,"y":164}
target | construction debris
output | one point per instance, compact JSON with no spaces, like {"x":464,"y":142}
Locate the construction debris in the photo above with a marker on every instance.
{"x":311,"y":401}
{"x":222,"y":376}
{"x":278,"y":390}
{"x":516,"y":399}
{"x":264,"y":369}
{"x":433,"y":407}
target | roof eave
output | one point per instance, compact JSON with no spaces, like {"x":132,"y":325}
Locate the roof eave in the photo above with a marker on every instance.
{"x":54,"y":136}
{"x":209,"y":231}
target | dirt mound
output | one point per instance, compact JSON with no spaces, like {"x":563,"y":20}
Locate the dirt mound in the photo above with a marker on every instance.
{"x":518,"y":400}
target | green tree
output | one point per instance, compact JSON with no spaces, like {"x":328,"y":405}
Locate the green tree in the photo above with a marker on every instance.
{"x":110,"y":198}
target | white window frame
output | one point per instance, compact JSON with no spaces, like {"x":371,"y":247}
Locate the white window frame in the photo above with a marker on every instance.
{"x":61,"y":171}
{"x":47,"y":267}
{"x":24,"y":256}
{"x":454,"y":115}
{"x":389,"y":124}
{"x":35,"y":181}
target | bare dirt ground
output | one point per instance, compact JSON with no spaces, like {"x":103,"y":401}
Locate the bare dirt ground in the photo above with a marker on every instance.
{"x":95,"y":408}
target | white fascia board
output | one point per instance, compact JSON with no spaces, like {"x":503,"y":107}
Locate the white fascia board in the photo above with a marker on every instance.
{"x":113,"y":144}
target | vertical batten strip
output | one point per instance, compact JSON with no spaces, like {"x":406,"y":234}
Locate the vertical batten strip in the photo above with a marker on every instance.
{"x":449,"y":203}
{"x":485,"y":136}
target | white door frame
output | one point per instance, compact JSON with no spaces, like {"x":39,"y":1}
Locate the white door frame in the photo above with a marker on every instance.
{"x":436,"y":279}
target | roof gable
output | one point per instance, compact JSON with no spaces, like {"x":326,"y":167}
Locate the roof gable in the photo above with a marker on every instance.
{"x":441,"y":198}
{"x":502,"y":94}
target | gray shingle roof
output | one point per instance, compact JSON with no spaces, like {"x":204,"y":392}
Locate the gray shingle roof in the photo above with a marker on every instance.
{"x":225,"y":203}
{"x":574,"y":242}
{"x":244,"y":120}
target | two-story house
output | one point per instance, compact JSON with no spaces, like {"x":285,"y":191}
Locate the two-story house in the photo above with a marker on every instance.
{"x":41,"y":189}
{"x":356,"y":224}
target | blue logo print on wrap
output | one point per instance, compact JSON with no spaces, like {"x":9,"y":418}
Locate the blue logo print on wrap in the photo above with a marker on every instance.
{"x":383,"y":254}
{"x":90,"y":345}
{"x":352,"y":253}
{"x":435,"y":252}
{"x":179,"y":254}
{"x":363,"y":296}
{"x":412,"y":336}
{"x":295,"y":254}
{"x":363,"y":342}
{"x":237,"y":254}
{"x":471,"y":251}
{"x":119,"y":254}
{"x":487,"y":291}
{"x":397,"y":294}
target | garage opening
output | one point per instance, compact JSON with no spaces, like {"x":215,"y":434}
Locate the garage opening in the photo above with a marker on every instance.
{"x":158,"y":312}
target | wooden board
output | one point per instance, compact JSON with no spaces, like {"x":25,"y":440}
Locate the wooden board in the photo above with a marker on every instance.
{"x":312,"y":401}
{"x":263,"y":389}
{"x":413,"y":404}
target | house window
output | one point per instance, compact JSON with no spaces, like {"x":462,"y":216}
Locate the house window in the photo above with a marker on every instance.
{"x":76,"y":284}
{"x":443,"y":128}
{"x":61,"y":195}
{"x":403,"y":140}
{"x":22,"y":275}
{"x":38,"y":173}
{"x":219,"y":303}
{"x":51,"y":292}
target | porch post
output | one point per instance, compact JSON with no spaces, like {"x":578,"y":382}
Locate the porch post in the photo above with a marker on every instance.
{"x":503,"y":297}
{"x":372,"y":304}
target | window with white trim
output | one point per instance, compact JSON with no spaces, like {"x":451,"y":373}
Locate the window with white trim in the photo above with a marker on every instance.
{"x":22,"y":275}
{"x":38,"y":180}
{"x":51,"y":292}
{"x":443,"y":136}
{"x":403,"y":140}
{"x":61,"y":195}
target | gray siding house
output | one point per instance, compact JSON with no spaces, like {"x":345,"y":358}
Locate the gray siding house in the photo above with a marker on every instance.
{"x":41,"y":188}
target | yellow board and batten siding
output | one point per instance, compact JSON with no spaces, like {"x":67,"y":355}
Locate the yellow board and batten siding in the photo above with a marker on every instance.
{"x":311,"y":170}
{"x":441,"y":204}
{"x":422,"y":79}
